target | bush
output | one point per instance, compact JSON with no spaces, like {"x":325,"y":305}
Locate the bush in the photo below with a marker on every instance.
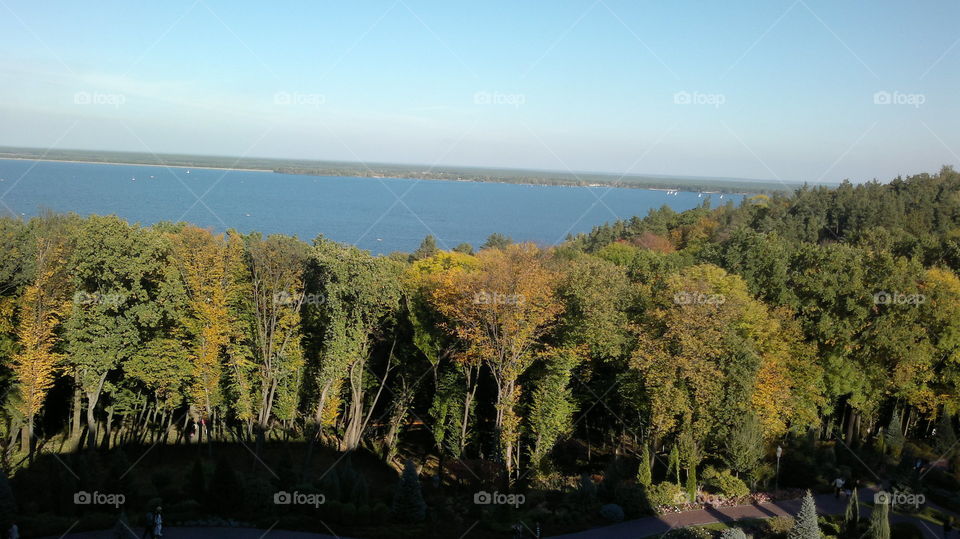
{"x":905,"y":530}
{"x":587,"y":490}
{"x":633,"y":500}
{"x":225,"y":494}
{"x":724,"y":483}
{"x":733,"y":533}
{"x":408,"y":504}
{"x":666,"y":493}
{"x":687,"y":533}
{"x":612,"y":512}
{"x":778,"y":526}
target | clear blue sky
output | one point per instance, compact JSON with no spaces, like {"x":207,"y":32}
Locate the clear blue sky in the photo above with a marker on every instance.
{"x":587,"y":86}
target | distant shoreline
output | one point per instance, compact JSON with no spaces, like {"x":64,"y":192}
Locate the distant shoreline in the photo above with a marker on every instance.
{"x":731,"y":186}
{"x":208,"y":167}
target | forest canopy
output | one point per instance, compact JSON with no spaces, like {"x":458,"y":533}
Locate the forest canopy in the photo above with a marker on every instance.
{"x":824,"y":311}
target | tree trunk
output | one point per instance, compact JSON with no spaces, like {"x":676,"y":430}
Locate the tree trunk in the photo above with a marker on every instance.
{"x":351,"y":435}
{"x":471,"y":391}
{"x":76,"y":405}
{"x":91,"y":420}
{"x":504,"y":404}
{"x":851,"y":416}
{"x":26,"y":435}
{"x":107,"y":431}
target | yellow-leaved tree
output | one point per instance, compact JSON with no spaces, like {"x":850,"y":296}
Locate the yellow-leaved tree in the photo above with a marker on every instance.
{"x":202,"y":260}
{"x":499,"y":311}
{"x":40,"y":310}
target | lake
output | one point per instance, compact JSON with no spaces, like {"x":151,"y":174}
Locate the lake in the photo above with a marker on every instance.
{"x":379,"y":214}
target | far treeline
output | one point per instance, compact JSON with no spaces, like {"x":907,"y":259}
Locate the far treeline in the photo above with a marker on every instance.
{"x":423,"y":172}
{"x":714,"y":334}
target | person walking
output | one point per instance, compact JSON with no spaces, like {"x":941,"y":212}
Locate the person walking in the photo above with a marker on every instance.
{"x":148,"y":527}
{"x":838,"y":487}
{"x":947,"y":527}
{"x":158,"y":523}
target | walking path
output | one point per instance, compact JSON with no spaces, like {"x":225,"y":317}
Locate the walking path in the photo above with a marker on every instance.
{"x":206,"y":533}
{"x":827,"y":504}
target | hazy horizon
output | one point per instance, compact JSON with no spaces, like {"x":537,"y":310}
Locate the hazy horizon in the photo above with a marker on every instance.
{"x":790,"y":91}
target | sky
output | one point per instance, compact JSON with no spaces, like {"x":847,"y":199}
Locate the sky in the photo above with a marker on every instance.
{"x":795,"y":90}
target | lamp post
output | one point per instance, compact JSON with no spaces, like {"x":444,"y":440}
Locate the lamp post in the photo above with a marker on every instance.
{"x":777,"y":481}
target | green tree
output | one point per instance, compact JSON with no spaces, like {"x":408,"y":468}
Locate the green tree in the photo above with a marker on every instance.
{"x":552,"y":407}
{"x":644,"y":474}
{"x":805,"y":524}
{"x":744,"y":446}
{"x":851,"y":516}
{"x":893,"y":437}
{"x":276,"y":266}
{"x":464,"y":248}
{"x":673,"y":462}
{"x":428,"y":247}
{"x":879,"y":522}
{"x":496,"y":241}
{"x":360,"y":293}
{"x":121,"y":269}
{"x":408,"y":504}
{"x":946,"y":436}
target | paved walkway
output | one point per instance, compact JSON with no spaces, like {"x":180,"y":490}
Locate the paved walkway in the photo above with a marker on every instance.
{"x":206,"y":533}
{"x":633,"y":529}
{"x":826,"y":505}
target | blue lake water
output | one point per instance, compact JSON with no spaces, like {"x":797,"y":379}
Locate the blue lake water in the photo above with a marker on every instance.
{"x":382,"y":215}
